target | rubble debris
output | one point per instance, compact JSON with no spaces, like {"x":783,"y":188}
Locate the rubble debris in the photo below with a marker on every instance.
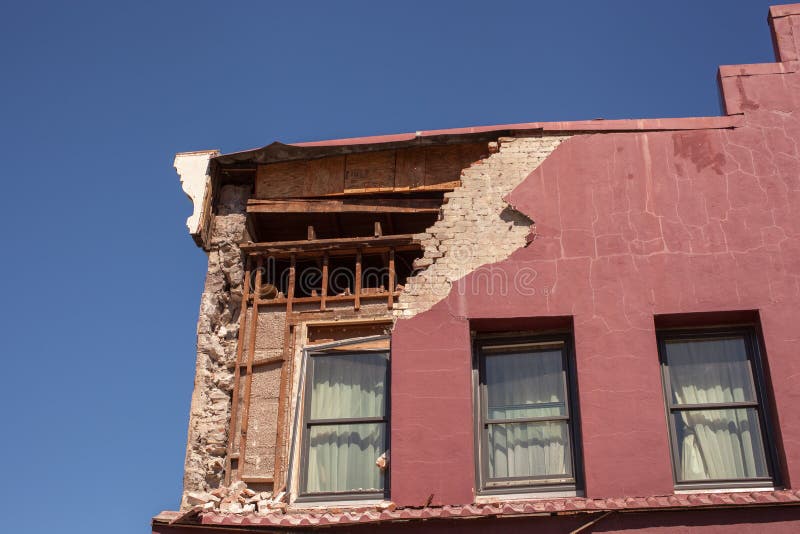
{"x":386,"y":505}
{"x":200,"y":497}
{"x":240,"y":500}
{"x":382,"y":462}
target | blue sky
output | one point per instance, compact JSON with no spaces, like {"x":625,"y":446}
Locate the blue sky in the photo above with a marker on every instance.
{"x":100,"y":282}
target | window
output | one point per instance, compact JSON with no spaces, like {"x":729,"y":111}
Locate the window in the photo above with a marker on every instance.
{"x":713,"y":383}
{"x":345,"y":424}
{"x":525,"y":423}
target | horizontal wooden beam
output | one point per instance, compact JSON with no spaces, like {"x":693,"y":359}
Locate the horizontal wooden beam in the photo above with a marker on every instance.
{"x":367,"y":205}
{"x":266,"y":361}
{"x":258,"y":480}
{"x":334,"y":298}
{"x":337,"y":253}
{"x":332,"y":244}
{"x":230,"y":170}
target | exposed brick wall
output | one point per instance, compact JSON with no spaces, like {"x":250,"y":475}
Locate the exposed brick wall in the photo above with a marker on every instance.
{"x":476,"y":227}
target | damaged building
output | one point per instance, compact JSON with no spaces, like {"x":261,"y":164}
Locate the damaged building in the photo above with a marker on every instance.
{"x":581,"y":326}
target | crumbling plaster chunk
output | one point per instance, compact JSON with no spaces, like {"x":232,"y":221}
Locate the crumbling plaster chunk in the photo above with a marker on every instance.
{"x":193,"y":169}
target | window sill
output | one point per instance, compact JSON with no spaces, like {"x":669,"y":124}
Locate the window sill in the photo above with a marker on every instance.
{"x":302,"y":504}
{"x":725,"y":490}
{"x":526,"y":496}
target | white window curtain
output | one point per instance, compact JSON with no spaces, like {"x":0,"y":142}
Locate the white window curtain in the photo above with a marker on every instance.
{"x":715,"y":444}
{"x":341,"y":457}
{"x":526,"y":385}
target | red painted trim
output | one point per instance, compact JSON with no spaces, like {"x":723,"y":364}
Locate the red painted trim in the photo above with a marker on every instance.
{"x":784,"y":10}
{"x":596,"y":125}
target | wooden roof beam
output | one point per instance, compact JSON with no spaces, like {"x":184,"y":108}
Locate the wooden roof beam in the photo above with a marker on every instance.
{"x":377,"y":205}
{"x":329,"y":244}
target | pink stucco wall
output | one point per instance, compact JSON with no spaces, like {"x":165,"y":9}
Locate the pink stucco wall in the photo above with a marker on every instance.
{"x":628,"y":226}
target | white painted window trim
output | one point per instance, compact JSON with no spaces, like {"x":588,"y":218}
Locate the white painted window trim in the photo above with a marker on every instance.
{"x":531,"y":496}
{"x":724,"y":490}
{"x":352,"y":504}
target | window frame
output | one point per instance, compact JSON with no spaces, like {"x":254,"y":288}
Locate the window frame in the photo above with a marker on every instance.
{"x":508,"y":485}
{"x":308,"y":376}
{"x":753,"y":348}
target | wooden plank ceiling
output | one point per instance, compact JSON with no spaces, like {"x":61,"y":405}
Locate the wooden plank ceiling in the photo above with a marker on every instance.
{"x":431,"y":168}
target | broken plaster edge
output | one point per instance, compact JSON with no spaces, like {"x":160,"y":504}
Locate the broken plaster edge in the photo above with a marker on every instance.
{"x":193,"y":168}
{"x":510,"y":153}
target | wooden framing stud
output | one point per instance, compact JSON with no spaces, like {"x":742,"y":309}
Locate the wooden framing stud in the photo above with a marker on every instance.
{"x":283,"y":398}
{"x":324,"y":296}
{"x":251,"y":352}
{"x":290,"y":289}
{"x":237,"y":371}
{"x":357,"y":302}
{"x":390,"y":302}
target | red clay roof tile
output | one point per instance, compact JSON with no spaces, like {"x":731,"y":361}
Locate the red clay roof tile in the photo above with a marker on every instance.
{"x":321,"y":517}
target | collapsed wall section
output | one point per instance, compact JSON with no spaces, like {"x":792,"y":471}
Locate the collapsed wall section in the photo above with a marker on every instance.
{"x":477,"y":226}
{"x":217,"y":331}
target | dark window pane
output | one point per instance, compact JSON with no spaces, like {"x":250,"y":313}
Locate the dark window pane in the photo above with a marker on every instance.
{"x":711,"y":370}
{"x":341,"y":458}
{"x":530,"y":450}
{"x":527,"y":384}
{"x":719,"y":445}
{"x":349,"y":386}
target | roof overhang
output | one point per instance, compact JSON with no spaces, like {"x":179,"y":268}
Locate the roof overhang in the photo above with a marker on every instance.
{"x":277,"y":151}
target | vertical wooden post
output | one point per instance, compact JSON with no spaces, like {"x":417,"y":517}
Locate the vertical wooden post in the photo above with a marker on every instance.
{"x":283,"y":388}
{"x":290,"y":289}
{"x":251,"y":352}
{"x":378,"y":229}
{"x":324,"y":297}
{"x":358,"y":281}
{"x":283,"y":403}
{"x":390,"y":302}
{"x":238,"y":369}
